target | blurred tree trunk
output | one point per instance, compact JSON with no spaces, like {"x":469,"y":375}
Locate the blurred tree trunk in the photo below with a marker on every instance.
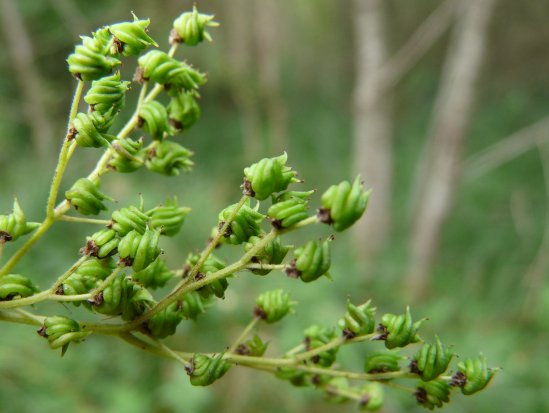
{"x":21,"y":56}
{"x":267,"y":29}
{"x":372,"y":154}
{"x":450,"y":124}
{"x":241,"y":78}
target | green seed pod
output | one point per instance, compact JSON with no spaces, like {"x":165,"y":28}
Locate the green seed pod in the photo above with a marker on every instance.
{"x":91,"y":129}
{"x":61,"y":331}
{"x":358,"y":320}
{"x":316,"y":336}
{"x":87,"y":277}
{"x":211,"y":265}
{"x":127,"y":155}
{"x":131,"y":38}
{"x":372,"y":397}
{"x":101,"y":244}
{"x":296,"y":377}
{"x":204,"y":370}
{"x":382,"y":362}
{"x":273,"y":306}
{"x":91,"y":60}
{"x":268,"y":176}
{"x":192,"y":305}
{"x":285,"y":214}
{"x":107,"y":93}
{"x":431,"y":394}
{"x":168,"y":218}
{"x":431,"y":360}
{"x":312,"y":260}
{"x":139,"y":249}
{"x":343,"y":204}
{"x":153,"y":117}
{"x":15,"y":285}
{"x":154,"y":276}
{"x":167,"y":158}
{"x":96,"y":268}
{"x":86,"y":197}
{"x":128,"y":219}
{"x":273,"y":253}
{"x":399,"y":330}
{"x":244,"y":225}
{"x":190,"y":28}
{"x":473,"y":375}
{"x":183,"y":110}
{"x":159,"y":67}
{"x":164,"y":323}
{"x":15,"y":225}
{"x":254,"y":347}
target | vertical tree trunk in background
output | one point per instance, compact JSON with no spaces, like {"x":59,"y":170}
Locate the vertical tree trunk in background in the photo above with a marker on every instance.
{"x":449,"y":127}
{"x":267,"y":29}
{"x":241,"y":79}
{"x":19,"y":48}
{"x":372,"y":154}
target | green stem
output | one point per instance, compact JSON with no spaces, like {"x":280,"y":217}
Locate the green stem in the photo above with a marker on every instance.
{"x":43,"y":295}
{"x":260,"y":266}
{"x":337,"y":342}
{"x":19,"y":317}
{"x":251,"y":325}
{"x":69,"y":218}
{"x":301,"y":224}
{"x":106,"y":281}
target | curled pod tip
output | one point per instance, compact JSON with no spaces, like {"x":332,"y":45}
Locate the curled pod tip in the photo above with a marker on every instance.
{"x":131,"y":38}
{"x":86,"y":198}
{"x":268,"y":176}
{"x":16,"y":286}
{"x":204,"y":370}
{"x":190,"y":28}
{"x":273,"y":306}
{"x":358,"y":320}
{"x":128,"y":219}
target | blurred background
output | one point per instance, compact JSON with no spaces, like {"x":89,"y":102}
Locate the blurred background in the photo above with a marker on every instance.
{"x":441,"y":105}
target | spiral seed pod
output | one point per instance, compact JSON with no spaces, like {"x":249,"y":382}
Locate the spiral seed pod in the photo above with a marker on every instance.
{"x":128,"y":219}
{"x":183,"y":110}
{"x":61,"y":331}
{"x":131,"y":38}
{"x":316,"y":336}
{"x":101,"y":244}
{"x":192,"y":305}
{"x":15,"y":285}
{"x":153,"y":116}
{"x":296,"y":377}
{"x":96,"y":268}
{"x":473,"y":375}
{"x":431,"y":394}
{"x":211,"y":265}
{"x":431,"y":361}
{"x":168,"y":218}
{"x":154,"y":276}
{"x":190,"y":28}
{"x":91,"y":129}
{"x":244,"y":225}
{"x":372,"y":397}
{"x":86,"y":197}
{"x":273,"y":253}
{"x":15,"y":225}
{"x":106,"y":94}
{"x":343,"y":204}
{"x":167,"y":158}
{"x":139,"y":249}
{"x":127,"y":155}
{"x":268,"y":176}
{"x":164,"y":323}
{"x":313,"y":260}
{"x":159,"y":67}
{"x":399,"y":330}
{"x":87,"y":277}
{"x":273,"y":306}
{"x":284,"y":214}
{"x":358,"y":320}
{"x":91,"y":60}
{"x":382,"y":362}
{"x":254,"y":347}
{"x":204,"y":370}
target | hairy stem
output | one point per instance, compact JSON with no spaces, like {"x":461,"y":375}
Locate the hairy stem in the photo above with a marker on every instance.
{"x":251,"y":325}
{"x":85,"y":220}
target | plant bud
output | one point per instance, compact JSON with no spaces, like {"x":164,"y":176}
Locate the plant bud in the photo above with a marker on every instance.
{"x":431,"y":394}
{"x":399,"y":330}
{"x":273,"y":306}
{"x":312,"y":260}
{"x":155,"y":275}
{"x":91,"y":129}
{"x":153,"y":116}
{"x":190,"y":28}
{"x":268,"y":176}
{"x":131,"y":38}
{"x":358,"y":320}
{"x":431,"y":361}
{"x":245,"y":224}
{"x":183,"y":110}
{"x":204,"y":370}
{"x":107,"y":93}
{"x":15,"y":225}
{"x":167,"y":158}
{"x":61,"y":331}
{"x":91,"y":60}
{"x":86,"y":197}
{"x":16,"y":286}
{"x":382,"y":362}
{"x":168,"y":218}
{"x":473,"y":375}
{"x":128,"y":219}
{"x":343,"y":204}
{"x":139,"y":249}
{"x":127,"y":156}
